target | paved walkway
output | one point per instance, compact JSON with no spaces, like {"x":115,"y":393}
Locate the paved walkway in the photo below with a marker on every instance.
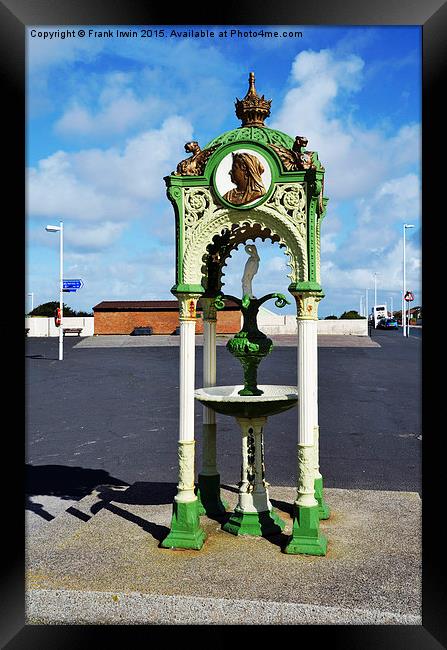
{"x":99,"y":562}
{"x":159,"y":340}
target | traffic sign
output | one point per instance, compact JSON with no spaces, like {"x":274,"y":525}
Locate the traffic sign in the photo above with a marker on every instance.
{"x":72,"y":285}
{"x":409,"y":296}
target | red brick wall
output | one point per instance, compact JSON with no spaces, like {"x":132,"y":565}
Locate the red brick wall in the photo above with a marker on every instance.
{"x":162,"y":322}
{"x":228,"y":322}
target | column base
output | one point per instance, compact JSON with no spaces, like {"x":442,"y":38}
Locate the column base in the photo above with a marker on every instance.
{"x":258,"y":524}
{"x":324,"y":510}
{"x":306,"y":538}
{"x":208,"y":496}
{"x":186,"y":531}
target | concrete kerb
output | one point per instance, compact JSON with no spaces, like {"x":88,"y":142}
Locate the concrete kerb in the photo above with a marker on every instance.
{"x":46,"y":607}
{"x":110,"y":569}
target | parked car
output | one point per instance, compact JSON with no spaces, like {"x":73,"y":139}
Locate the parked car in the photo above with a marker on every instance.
{"x":387,"y":324}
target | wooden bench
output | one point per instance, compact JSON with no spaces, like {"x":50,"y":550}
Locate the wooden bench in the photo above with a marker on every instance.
{"x":73,"y":330}
{"x":141,"y":331}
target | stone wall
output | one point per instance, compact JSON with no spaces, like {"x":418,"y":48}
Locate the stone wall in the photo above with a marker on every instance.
{"x":42,"y":326}
{"x":272,"y":323}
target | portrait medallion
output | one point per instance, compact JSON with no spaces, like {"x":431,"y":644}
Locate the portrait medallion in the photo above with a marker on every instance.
{"x":243,"y":177}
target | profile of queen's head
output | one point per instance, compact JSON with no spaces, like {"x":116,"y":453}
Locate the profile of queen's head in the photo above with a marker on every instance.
{"x":245,"y":173}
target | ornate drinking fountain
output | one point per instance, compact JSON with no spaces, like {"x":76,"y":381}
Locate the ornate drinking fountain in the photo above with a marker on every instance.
{"x":251,"y":404}
{"x":251,"y":182}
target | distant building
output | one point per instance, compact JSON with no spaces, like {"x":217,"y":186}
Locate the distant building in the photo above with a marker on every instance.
{"x":123,"y":316}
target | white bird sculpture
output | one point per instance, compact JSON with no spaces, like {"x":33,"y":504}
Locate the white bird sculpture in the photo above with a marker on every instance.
{"x":251,"y":268}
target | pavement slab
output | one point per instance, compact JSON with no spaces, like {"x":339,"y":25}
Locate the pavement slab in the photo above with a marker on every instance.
{"x":109,"y":568}
{"x":161,"y":340}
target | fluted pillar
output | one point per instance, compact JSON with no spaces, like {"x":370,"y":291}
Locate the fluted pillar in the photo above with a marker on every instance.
{"x":306,"y":537}
{"x":186,"y":531}
{"x":208,"y":490}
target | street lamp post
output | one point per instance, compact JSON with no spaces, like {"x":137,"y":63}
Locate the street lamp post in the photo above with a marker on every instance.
{"x":366,"y":308}
{"x":60,"y":230}
{"x":32,"y":300}
{"x":375,"y":288}
{"x":406,"y":331}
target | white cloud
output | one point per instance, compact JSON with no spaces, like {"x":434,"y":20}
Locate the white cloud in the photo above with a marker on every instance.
{"x":93,"y":238}
{"x":320,"y":104}
{"x":328,"y":245}
{"x":146,"y":277}
{"x":395,"y":201}
{"x":322,"y":72}
{"x":98,"y":185}
{"x":96,"y":103}
{"x":118,"y":109}
{"x":363,"y":166}
{"x":45,"y":53}
{"x":388,"y":264}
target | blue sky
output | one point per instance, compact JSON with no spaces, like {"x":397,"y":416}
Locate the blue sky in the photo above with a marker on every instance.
{"x":108,"y":117}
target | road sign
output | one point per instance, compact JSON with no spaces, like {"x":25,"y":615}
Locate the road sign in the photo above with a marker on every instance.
{"x":71,"y":285}
{"x":409,"y":296}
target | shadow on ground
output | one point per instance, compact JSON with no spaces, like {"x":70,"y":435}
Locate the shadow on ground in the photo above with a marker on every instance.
{"x":65,"y":482}
{"x":71,"y":483}
{"x":74,"y":483}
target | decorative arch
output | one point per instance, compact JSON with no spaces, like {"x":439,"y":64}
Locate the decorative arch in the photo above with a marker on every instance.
{"x":222,"y":248}
{"x":282,"y":229}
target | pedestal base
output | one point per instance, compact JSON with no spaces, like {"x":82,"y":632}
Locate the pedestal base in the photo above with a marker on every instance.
{"x":208,"y":496}
{"x":186,"y":531}
{"x":324,"y":510}
{"x":258,"y":524}
{"x":306,"y":538}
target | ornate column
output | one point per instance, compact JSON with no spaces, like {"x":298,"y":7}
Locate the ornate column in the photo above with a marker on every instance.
{"x":306,"y":537}
{"x":186,"y":531}
{"x":208,"y":485}
{"x":254,"y":514}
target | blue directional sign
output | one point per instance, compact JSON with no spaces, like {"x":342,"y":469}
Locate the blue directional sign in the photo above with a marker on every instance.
{"x":71,"y":285}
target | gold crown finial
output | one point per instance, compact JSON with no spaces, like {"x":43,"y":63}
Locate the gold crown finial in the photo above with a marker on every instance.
{"x":251,"y":84}
{"x":252,"y":110}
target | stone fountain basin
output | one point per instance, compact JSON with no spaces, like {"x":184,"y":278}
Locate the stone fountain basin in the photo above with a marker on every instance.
{"x":225,"y":400}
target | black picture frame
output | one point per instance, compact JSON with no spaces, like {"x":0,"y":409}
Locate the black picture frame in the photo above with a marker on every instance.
{"x":15,"y":16}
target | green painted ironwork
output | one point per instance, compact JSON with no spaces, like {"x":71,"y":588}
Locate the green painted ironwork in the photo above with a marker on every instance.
{"x":208,"y":228}
{"x":208,"y":495}
{"x":261,"y":135}
{"x":259,"y":140}
{"x":306,"y":538}
{"x":256,"y":524}
{"x":186,"y":531}
{"x":250,"y":345}
{"x":324,"y":510}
